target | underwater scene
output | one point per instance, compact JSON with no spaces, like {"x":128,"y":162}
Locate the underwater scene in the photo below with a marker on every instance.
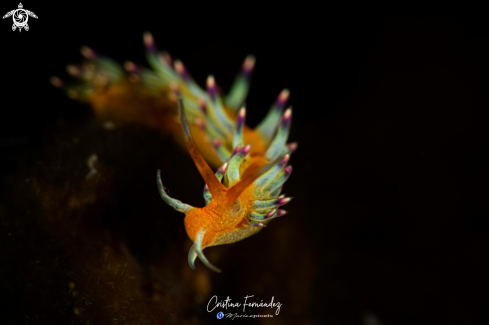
{"x":171,"y":163}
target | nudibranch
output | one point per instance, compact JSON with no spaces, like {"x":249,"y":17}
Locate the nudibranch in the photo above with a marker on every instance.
{"x":244,"y":194}
{"x":135,"y":94}
{"x":241,"y":197}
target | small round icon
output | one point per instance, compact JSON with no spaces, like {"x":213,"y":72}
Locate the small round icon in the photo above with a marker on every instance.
{"x":220,"y":315}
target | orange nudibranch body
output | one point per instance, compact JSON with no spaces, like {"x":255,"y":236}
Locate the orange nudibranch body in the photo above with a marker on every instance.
{"x":244,"y":194}
{"x":225,"y":225}
{"x":241,"y":197}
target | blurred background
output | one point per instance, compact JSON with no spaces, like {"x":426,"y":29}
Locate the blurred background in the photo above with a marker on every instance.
{"x":389,"y":222}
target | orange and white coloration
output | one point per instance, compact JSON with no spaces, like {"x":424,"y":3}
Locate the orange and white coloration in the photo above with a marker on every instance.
{"x":244,"y":194}
{"x":241,"y":197}
{"x":132,"y":94}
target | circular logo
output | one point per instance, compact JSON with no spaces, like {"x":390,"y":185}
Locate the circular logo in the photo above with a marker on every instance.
{"x":220,"y":315}
{"x":20,"y":17}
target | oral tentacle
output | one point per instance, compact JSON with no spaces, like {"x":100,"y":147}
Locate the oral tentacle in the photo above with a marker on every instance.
{"x":192,"y":255}
{"x":175,"y":204}
{"x":199,"y":250}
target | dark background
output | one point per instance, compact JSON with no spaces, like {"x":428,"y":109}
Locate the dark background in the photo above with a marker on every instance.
{"x":390,"y":179}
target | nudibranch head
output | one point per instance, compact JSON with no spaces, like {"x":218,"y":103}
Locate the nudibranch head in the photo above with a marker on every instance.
{"x":241,"y":197}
